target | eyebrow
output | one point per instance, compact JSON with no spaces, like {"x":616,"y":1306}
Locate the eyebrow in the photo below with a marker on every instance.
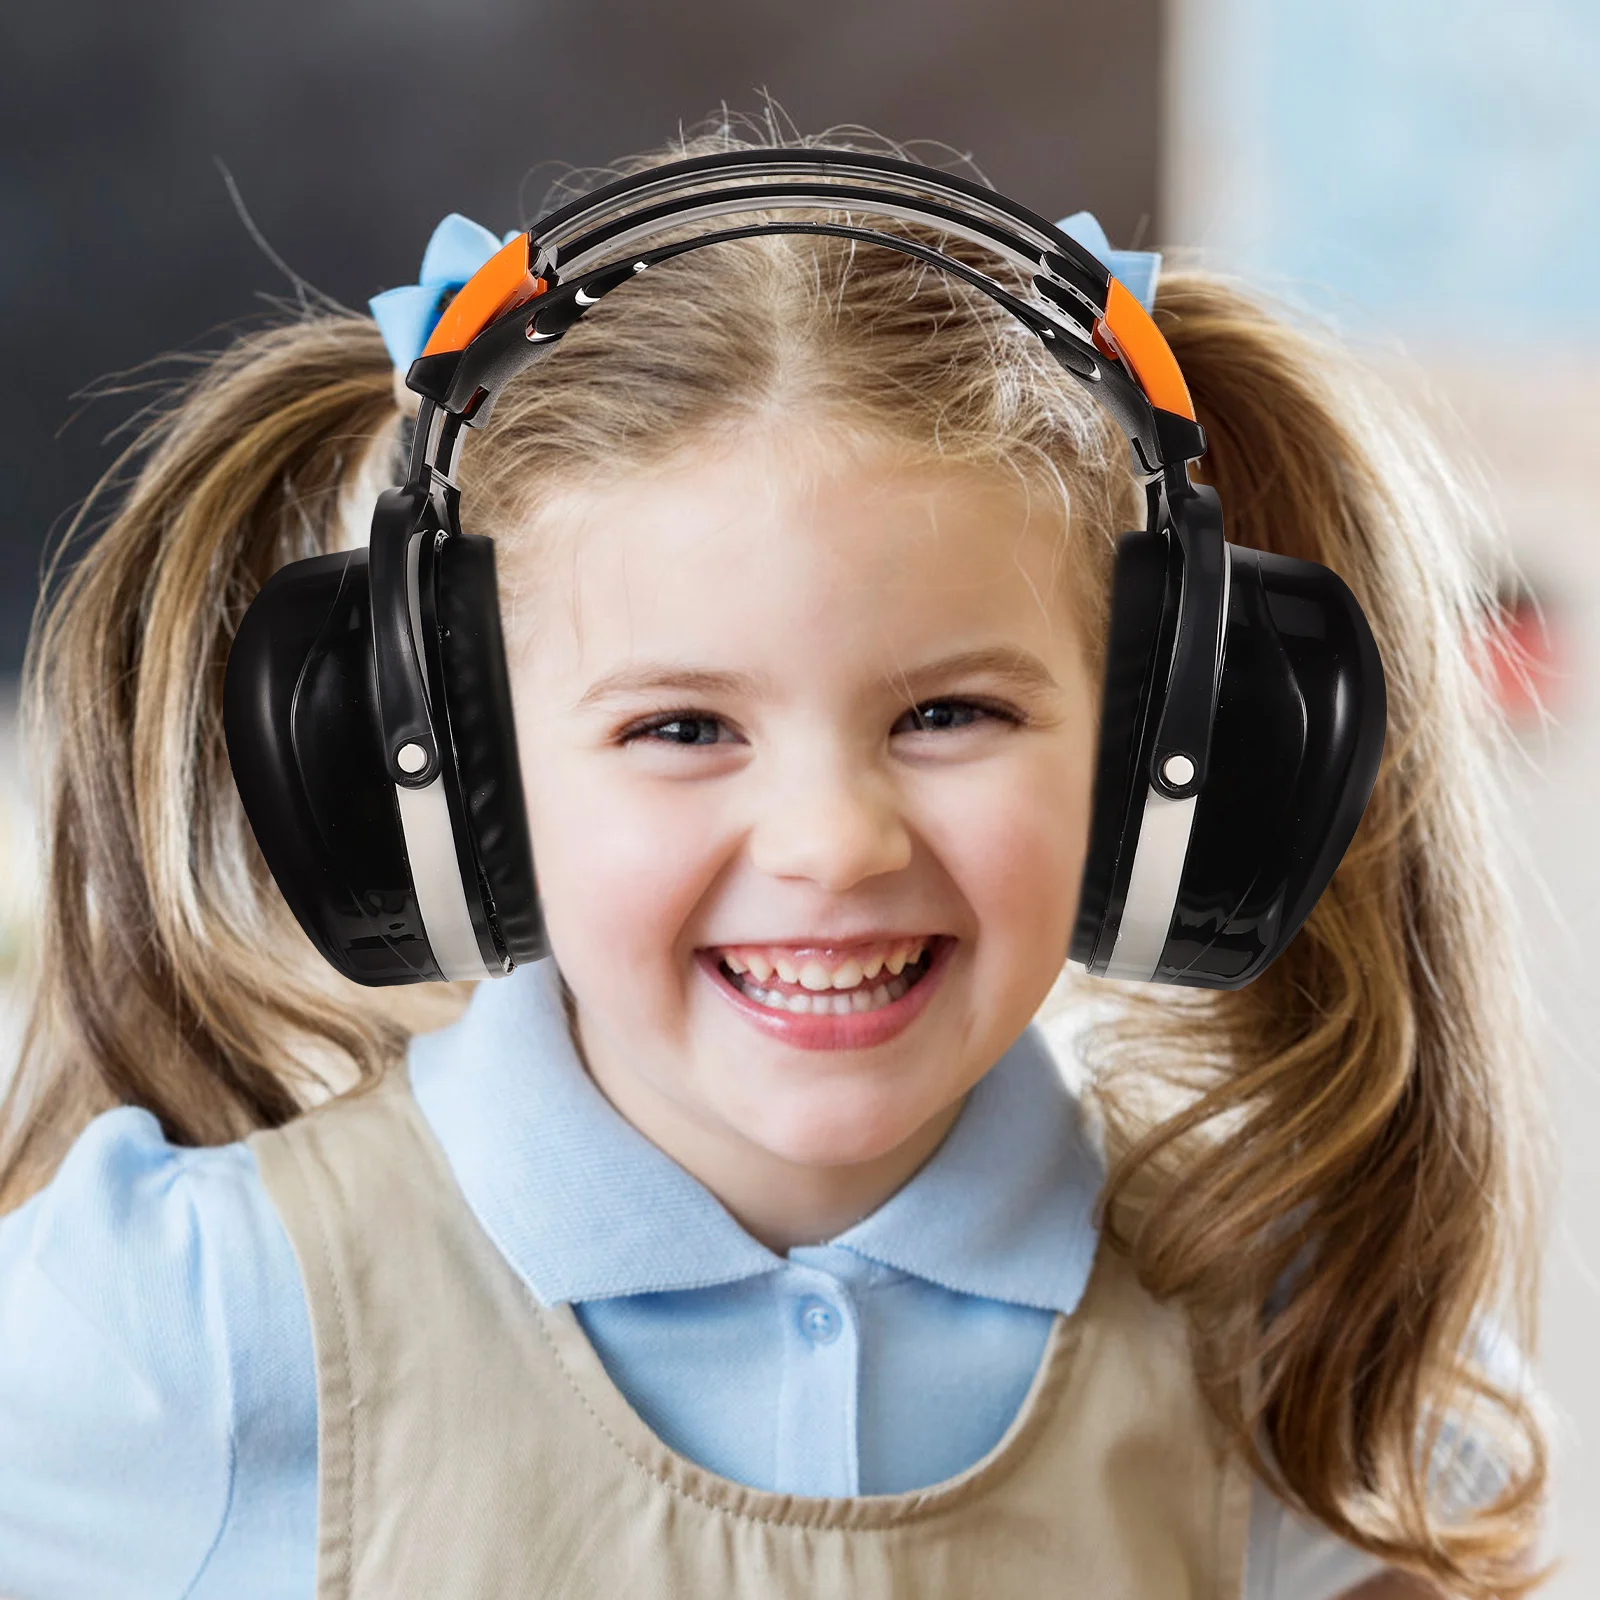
{"x":1019,"y":668}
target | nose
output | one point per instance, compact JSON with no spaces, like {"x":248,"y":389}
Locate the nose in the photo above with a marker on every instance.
{"x":835,"y":822}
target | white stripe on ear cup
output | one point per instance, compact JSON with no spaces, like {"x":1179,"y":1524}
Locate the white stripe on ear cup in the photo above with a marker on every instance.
{"x":1152,"y":887}
{"x":431,"y":851}
{"x":430,"y":840}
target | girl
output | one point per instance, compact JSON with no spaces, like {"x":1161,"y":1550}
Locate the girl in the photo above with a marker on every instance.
{"x":639,"y":1275}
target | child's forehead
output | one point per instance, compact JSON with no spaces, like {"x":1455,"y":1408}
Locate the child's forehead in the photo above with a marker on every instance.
{"x":746,"y":504}
{"x":776,"y":552}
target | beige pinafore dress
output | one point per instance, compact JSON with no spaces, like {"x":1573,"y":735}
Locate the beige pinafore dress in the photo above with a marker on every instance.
{"x":472,"y":1447}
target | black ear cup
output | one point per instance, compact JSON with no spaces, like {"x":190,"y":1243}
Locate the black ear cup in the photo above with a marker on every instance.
{"x":300,"y":717}
{"x":1295,"y":750}
{"x":390,"y":888}
{"x":1295,"y":746}
{"x":485,"y":775}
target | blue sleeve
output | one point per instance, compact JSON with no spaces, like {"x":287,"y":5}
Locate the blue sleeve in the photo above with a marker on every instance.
{"x":157,"y":1393}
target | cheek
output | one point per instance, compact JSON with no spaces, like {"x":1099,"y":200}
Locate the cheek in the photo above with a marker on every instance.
{"x":1016,"y":855}
{"x":1032,"y":869}
{"x":1026,"y":826}
{"x":620,"y":868}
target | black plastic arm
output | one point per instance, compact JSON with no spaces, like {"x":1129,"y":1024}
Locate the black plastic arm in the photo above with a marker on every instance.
{"x":1195,"y":522}
{"x":400,"y":515}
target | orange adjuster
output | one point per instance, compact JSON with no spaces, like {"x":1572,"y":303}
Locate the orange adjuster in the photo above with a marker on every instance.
{"x":500,"y":284}
{"x":1135,"y":337}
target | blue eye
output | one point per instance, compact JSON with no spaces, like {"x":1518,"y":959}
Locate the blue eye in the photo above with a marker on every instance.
{"x":679,"y":728}
{"x":940,"y":716}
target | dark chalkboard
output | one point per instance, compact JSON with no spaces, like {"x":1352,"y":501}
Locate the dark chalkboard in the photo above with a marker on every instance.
{"x":352,"y":126}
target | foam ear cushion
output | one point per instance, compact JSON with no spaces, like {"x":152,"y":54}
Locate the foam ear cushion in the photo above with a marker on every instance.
{"x":483,"y":736}
{"x":300,"y":712}
{"x":1140,"y":631}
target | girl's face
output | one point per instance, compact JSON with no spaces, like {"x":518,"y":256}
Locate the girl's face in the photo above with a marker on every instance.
{"x":808,"y":743}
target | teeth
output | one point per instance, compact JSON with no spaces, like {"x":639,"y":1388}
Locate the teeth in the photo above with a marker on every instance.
{"x":821,"y":1005}
{"x":817,"y":977}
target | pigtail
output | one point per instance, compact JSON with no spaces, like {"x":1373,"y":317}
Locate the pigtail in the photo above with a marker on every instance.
{"x":170,"y":973}
{"x":1349,"y":1183}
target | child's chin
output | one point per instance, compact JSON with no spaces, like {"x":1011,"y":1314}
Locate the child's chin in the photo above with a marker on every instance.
{"x":832,"y":1135}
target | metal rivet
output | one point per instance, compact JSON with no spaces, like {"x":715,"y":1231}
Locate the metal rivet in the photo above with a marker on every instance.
{"x":1178,"y":771}
{"x":411,"y":758}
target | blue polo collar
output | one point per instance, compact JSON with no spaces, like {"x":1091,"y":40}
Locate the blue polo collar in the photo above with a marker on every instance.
{"x":584,"y":1207}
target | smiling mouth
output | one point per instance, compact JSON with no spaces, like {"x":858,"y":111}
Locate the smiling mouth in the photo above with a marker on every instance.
{"x":817,"y":997}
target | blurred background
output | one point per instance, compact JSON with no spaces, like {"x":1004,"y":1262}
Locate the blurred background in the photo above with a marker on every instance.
{"x":1425,"y":175}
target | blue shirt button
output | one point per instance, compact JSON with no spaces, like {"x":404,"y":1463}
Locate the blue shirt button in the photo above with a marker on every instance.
{"x":819,"y":1321}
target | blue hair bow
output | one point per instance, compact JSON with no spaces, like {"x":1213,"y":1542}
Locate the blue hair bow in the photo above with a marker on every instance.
{"x":459,"y":246}
{"x":1138,"y":270}
{"x":407,"y":316}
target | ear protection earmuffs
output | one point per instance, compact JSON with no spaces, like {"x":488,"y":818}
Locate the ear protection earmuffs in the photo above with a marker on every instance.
{"x":368,"y":714}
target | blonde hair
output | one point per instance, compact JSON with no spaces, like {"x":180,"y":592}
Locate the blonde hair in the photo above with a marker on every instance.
{"x":1332,"y":1170}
